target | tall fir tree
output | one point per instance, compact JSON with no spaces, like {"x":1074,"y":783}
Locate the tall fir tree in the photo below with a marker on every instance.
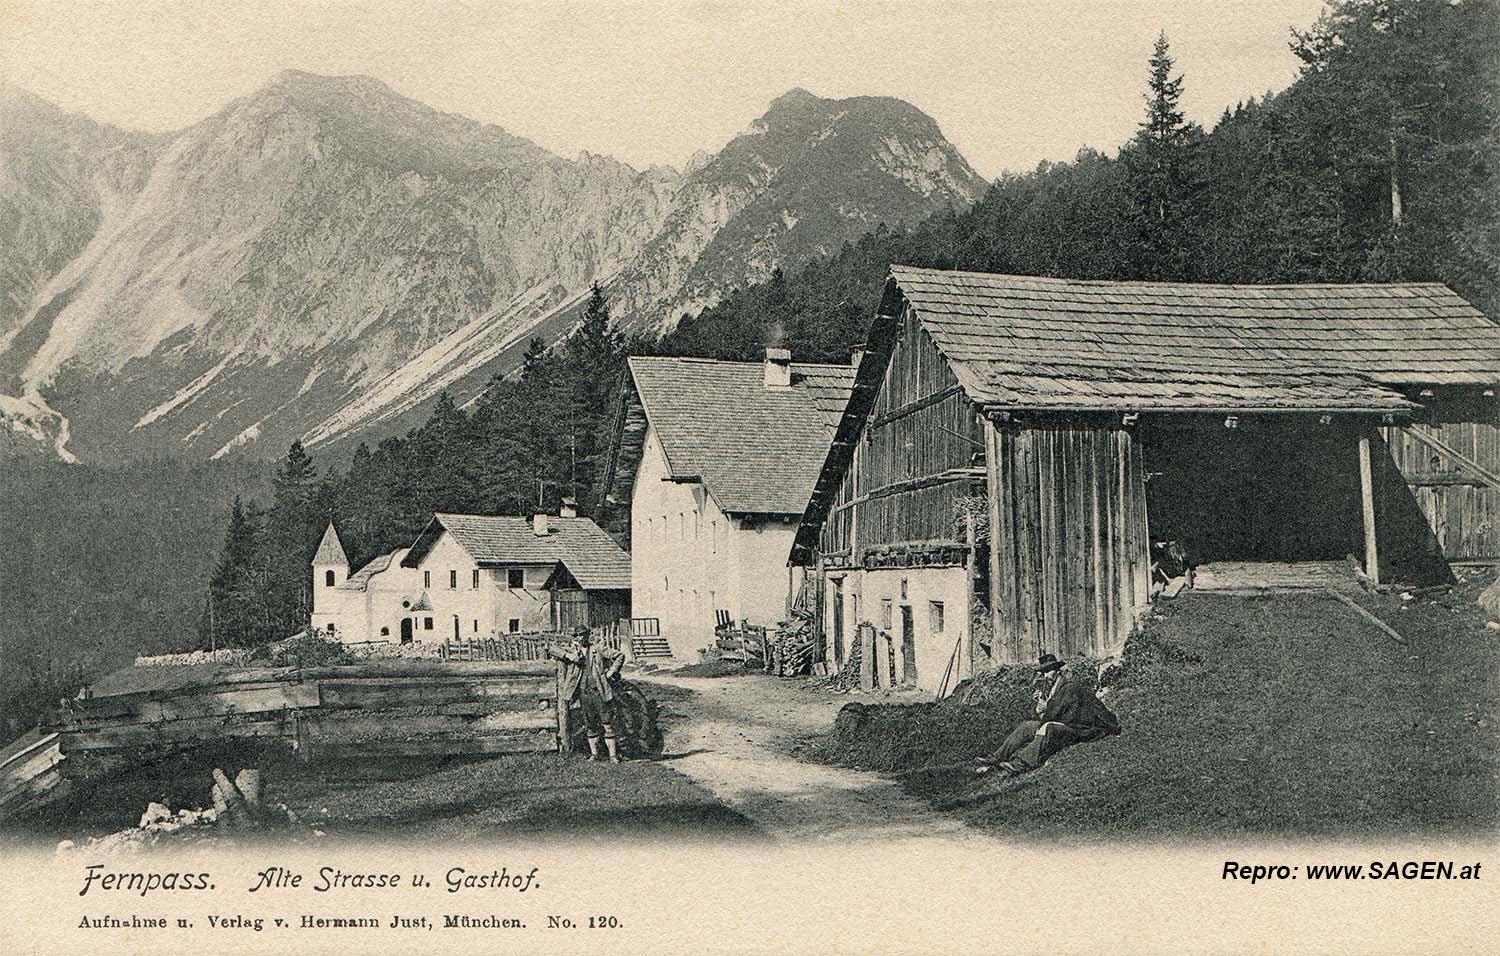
{"x":1161,"y":162}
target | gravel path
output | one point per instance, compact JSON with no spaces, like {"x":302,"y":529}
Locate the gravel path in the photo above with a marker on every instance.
{"x":734,"y":736}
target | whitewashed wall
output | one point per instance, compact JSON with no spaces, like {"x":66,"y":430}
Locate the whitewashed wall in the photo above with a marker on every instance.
{"x":863,"y":594}
{"x":689,"y":559}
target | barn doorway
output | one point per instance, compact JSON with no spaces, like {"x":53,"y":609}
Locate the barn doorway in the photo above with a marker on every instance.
{"x":1275,"y":488}
{"x":908,"y":648}
{"x":838,"y":621}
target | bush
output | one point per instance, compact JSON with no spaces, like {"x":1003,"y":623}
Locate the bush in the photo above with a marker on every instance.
{"x":304,"y":650}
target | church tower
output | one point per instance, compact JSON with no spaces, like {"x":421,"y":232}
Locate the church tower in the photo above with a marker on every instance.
{"x":330,"y":564}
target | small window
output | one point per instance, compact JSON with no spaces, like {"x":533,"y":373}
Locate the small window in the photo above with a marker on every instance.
{"x":476,"y":625}
{"x":427,"y":579}
{"x":426,"y":623}
{"x":713,"y":535}
{"x":515,"y":579}
{"x":385,"y":632}
{"x":514,"y":625}
{"x":328,"y":578}
{"x":475,"y":585}
{"x":453,"y":580}
{"x":887,"y":615}
{"x":935,"y":616}
{"x":903,"y":589}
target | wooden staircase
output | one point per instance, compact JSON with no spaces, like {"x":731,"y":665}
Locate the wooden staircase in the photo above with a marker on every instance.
{"x":646,"y":641}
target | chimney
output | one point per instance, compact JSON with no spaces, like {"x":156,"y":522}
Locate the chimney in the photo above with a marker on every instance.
{"x":540,"y":526}
{"x":778,"y":368}
{"x":856,"y":355}
{"x":569,"y":508}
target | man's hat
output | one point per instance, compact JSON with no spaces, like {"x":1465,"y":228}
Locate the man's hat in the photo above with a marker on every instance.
{"x":1047,"y":663}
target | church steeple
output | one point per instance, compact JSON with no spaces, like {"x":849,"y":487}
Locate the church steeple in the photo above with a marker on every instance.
{"x":331,"y":563}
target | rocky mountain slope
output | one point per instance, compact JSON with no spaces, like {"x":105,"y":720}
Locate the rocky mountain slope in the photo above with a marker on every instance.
{"x":804,"y":178}
{"x":321,"y":258}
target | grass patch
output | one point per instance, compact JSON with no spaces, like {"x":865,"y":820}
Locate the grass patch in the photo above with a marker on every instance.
{"x":1278,"y":715}
{"x":531,"y":796}
{"x":720,"y":667}
{"x":534,"y":796}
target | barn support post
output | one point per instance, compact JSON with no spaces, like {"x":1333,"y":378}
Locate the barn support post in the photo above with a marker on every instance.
{"x":1367,"y":506}
{"x":971,"y":572}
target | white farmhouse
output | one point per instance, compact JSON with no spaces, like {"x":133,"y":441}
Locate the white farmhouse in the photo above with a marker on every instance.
{"x":710,"y":467}
{"x":474,"y":576}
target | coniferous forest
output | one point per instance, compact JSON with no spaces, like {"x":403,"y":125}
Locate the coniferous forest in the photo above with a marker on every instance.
{"x":1380,"y":162}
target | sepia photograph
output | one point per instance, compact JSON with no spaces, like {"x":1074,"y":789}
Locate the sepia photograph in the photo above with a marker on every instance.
{"x":768,"y":477}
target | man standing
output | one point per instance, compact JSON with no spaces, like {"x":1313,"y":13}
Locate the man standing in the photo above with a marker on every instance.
{"x":587,"y":681}
{"x":1071,"y":713}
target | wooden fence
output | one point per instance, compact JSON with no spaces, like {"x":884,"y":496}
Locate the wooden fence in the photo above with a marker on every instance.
{"x":373,"y":709}
{"x":617,"y":635}
{"x":509,"y":647}
{"x":747,"y":642}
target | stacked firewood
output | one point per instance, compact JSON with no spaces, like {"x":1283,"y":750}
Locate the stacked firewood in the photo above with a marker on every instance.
{"x":790,"y":652}
{"x":845,"y":678}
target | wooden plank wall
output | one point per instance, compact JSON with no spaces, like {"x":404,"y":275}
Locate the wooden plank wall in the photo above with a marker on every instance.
{"x":899,"y":488}
{"x":1462,"y":512}
{"x":348,"y":710}
{"x":1070,"y":558}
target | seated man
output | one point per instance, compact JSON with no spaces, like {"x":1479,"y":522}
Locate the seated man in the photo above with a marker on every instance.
{"x":1071,"y":713}
{"x":588,"y":683}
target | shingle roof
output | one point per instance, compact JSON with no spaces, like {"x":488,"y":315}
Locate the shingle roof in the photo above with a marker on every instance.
{"x":360,"y":580}
{"x":331,"y":549}
{"x":1035,"y":342}
{"x":757,"y":450}
{"x":590,"y":555}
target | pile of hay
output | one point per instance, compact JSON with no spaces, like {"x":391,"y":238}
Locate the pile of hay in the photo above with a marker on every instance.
{"x":895,"y":737}
{"x":972,"y":721}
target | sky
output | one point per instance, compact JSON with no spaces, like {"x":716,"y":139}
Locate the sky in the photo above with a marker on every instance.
{"x":1010,"y":83}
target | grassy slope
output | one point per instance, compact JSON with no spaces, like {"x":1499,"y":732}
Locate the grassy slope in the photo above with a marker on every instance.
{"x":1299,"y":720}
{"x":519,"y":796}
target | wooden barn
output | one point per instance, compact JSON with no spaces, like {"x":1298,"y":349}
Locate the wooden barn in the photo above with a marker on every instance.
{"x":1016,"y":449}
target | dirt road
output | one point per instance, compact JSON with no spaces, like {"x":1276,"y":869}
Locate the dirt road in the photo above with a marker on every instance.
{"x":734,"y":735}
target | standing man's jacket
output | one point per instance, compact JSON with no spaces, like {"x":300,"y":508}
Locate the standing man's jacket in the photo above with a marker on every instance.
{"x":588,"y":670}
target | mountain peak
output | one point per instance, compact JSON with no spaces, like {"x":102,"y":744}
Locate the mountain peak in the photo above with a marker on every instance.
{"x":794,"y":98}
{"x":301,"y":80}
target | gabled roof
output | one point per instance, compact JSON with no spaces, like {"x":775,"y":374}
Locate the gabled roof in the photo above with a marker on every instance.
{"x":591,"y":556}
{"x":1032,"y":343}
{"x":331,"y":550}
{"x":757,"y":450}
{"x":1036,"y":342}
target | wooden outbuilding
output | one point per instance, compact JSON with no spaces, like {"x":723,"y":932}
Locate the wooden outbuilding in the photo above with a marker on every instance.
{"x":1014,"y":446}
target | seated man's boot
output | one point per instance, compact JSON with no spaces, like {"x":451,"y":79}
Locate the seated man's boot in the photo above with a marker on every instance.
{"x":596,"y":749}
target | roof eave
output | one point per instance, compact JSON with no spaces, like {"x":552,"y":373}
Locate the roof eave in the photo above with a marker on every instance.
{"x":997,"y":408}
